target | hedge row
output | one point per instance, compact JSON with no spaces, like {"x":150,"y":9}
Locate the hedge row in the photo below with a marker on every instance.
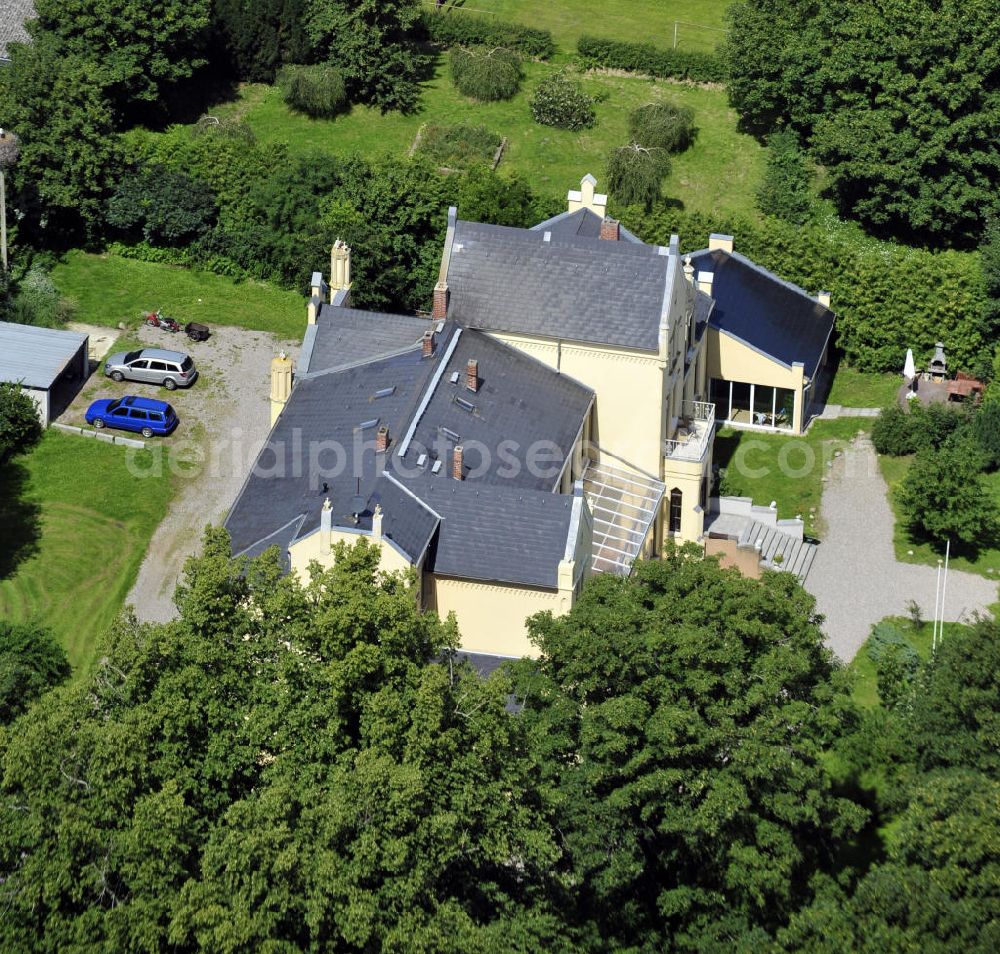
{"x":452,"y":29}
{"x":649,"y":59}
{"x":887,"y":297}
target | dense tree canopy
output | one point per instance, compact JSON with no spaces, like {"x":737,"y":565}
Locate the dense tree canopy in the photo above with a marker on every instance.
{"x":255,"y":38}
{"x":678,"y":720}
{"x":371,"y":41}
{"x":900,"y":100}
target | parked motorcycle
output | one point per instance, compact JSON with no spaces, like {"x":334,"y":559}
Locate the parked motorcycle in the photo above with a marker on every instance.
{"x":159,"y":320}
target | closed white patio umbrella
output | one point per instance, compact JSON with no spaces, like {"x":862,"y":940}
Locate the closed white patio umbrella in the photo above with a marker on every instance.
{"x":909,"y":368}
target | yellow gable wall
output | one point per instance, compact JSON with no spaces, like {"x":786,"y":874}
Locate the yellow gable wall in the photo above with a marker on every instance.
{"x":732,"y":360}
{"x":629,"y":385}
{"x":304,"y":551}
{"x":491,"y":617}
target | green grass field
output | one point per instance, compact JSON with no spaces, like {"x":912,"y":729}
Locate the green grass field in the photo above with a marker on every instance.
{"x":987,"y":562}
{"x":852,"y":388}
{"x":717,"y":175}
{"x":788,"y":470}
{"x":109,"y":289}
{"x":648,"y":21}
{"x":77,"y":525}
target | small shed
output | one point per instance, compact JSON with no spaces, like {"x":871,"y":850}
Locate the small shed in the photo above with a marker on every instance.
{"x":48,"y":363}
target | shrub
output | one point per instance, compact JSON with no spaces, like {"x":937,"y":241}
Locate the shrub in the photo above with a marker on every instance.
{"x":456,"y":29}
{"x":20,"y":428}
{"x":649,"y":59}
{"x":558,"y":101}
{"x":31,"y":661}
{"x":786,"y":189}
{"x":900,"y":431}
{"x":162,"y":206}
{"x":317,"y":90}
{"x":895,"y":660}
{"x":662,"y":126}
{"x":38,"y":302}
{"x":486,"y":74}
{"x":458,"y":144}
{"x":635,"y":173}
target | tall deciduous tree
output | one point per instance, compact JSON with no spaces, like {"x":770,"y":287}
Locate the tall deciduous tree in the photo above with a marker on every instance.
{"x":31,"y":661}
{"x":679,"y":719}
{"x":257,"y":37}
{"x":282,"y":767}
{"x":372,"y":43}
{"x":899,"y":100}
{"x":943,"y":496}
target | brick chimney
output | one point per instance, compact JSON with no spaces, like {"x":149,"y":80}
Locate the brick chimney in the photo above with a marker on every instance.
{"x":382,"y":440}
{"x":472,"y":375}
{"x":439,"y":310}
{"x":427,"y":344}
{"x":457,"y":462}
{"x":610,"y":229}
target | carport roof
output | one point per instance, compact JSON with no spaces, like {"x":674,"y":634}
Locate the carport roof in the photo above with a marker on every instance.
{"x":35,"y":357}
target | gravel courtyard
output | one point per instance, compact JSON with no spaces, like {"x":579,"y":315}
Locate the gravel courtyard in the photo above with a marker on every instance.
{"x":856,"y":577}
{"x":225,"y":418}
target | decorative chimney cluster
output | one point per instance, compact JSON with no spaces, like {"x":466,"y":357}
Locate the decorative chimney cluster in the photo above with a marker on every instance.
{"x":427,"y":344}
{"x":472,"y":375}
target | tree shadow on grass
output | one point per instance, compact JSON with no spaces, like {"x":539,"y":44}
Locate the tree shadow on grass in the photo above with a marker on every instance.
{"x":20,"y":518}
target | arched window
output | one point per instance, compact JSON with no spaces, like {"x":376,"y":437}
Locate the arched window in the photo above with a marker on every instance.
{"x":676,"y":501}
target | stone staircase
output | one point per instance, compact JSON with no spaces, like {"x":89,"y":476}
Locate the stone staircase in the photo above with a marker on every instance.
{"x":779,"y":550}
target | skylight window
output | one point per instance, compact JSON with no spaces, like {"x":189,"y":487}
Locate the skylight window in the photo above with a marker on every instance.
{"x":451,"y":435}
{"x":465,"y":405}
{"x":366,"y":425}
{"x":436,"y":467}
{"x":385,"y":392}
{"x":454,"y":377}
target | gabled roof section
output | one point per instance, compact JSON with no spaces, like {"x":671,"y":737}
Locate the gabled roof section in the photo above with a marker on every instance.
{"x":766,"y":312}
{"x":584,"y":223}
{"x":346,"y":336}
{"x":519,"y":401}
{"x":326,"y":412}
{"x":496,"y":534}
{"x":575,"y":288}
{"x":13,"y":15}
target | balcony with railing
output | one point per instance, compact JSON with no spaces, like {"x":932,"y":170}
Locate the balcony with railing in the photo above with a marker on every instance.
{"x":694,"y":432}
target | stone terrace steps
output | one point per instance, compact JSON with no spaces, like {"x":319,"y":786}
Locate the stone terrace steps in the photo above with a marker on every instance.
{"x":796,"y":555}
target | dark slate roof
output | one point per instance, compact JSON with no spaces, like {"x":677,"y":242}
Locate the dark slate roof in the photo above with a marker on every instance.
{"x":325,"y":407}
{"x":506,"y":530}
{"x":346,"y":336}
{"x":408,"y":522}
{"x":771,"y":315}
{"x":576,"y":288}
{"x":494,"y":533}
{"x":484,"y":664}
{"x":520,"y":400}
{"x":582,"y":222}
{"x":13,"y":15}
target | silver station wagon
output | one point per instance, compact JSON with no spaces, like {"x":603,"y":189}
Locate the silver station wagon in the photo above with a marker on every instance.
{"x":172,"y":369}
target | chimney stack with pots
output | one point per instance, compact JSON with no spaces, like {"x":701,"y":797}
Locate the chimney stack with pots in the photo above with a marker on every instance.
{"x":382,"y":440}
{"x":472,"y":375}
{"x":719,"y":242}
{"x":458,"y":463}
{"x":610,"y":229}
{"x":427,"y":344}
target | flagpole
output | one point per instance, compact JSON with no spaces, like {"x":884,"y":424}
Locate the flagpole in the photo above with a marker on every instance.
{"x":944,"y":587}
{"x":937,"y":605}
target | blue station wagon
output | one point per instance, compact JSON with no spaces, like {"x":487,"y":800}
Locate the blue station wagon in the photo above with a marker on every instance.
{"x":144,"y":415}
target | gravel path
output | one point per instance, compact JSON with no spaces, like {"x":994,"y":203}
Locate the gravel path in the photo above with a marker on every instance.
{"x":856,"y":577}
{"x":225,"y":418}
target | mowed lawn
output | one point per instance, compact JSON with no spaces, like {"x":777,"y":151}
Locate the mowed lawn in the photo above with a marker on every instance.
{"x":788,"y":470}
{"x":647,"y":21}
{"x":852,"y":388}
{"x":718,"y":175}
{"x":76,"y":527}
{"x":109,"y":289}
{"x":987,"y":561}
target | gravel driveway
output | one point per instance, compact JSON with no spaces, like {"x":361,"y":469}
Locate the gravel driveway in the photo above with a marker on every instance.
{"x":856,"y":577}
{"x":225,"y":418}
